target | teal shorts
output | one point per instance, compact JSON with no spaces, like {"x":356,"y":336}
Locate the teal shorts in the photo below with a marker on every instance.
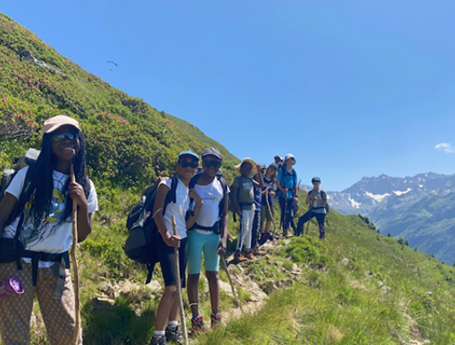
{"x":202,"y":243}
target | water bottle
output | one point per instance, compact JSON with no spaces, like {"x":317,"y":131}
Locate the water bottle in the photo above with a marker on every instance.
{"x":12,"y":286}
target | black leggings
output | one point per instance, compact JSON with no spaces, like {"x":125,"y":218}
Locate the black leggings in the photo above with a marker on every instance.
{"x":307,"y":217}
{"x":286,"y":206}
{"x":167,"y":261}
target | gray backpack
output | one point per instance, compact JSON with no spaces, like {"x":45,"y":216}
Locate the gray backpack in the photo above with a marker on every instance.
{"x":28,"y":159}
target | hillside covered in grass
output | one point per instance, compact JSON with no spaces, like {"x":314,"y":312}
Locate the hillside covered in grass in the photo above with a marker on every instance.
{"x":355,"y":288}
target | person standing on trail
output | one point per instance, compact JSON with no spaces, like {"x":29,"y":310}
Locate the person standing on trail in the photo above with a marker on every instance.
{"x":36,"y":234}
{"x":257,"y":210}
{"x":268,"y":192}
{"x":166,"y":325}
{"x":243,"y":204}
{"x":317,"y":199}
{"x":208,"y":236}
{"x":287,"y":185}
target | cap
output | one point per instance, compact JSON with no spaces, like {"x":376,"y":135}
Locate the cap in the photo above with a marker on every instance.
{"x":289,"y":156}
{"x":58,"y":121}
{"x":274,"y":165}
{"x":316,"y":179}
{"x":188,"y":153}
{"x":212,"y":152}
{"x":279,"y":157}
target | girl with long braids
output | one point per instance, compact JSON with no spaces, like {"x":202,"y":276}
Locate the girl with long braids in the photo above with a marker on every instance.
{"x":36,"y":234}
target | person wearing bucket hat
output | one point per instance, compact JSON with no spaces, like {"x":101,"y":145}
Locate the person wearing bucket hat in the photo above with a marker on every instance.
{"x":35,"y":218}
{"x":318,"y":206}
{"x":166,"y":325}
{"x":287,"y":185}
{"x":244,"y":206}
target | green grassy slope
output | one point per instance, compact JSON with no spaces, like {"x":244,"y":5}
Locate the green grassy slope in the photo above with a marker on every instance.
{"x":129,"y":142}
{"x":337,"y":299}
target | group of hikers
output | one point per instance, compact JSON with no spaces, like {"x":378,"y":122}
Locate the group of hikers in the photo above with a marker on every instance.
{"x":190,"y":212}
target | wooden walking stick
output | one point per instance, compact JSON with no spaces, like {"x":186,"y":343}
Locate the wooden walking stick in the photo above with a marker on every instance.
{"x":179,"y":284}
{"x":77,"y":301}
{"x":234,"y":292}
{"x":269,"y":210}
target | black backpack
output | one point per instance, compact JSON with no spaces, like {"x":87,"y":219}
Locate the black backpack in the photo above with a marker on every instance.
{"x":216,"y":227}
{"x":140,"y":246}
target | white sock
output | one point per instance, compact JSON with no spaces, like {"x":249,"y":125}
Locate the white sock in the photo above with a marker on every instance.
{"x":159,"y":334}
{"x":172,"y":324}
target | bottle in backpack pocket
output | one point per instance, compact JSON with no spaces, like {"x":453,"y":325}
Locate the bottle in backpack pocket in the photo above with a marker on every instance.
{"x":12,"y":286}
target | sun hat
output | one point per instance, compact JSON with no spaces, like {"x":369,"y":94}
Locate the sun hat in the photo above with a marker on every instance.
{"x":254,"y":169}
{"x":188,"y":153}
{"x":58,"y":121}
{"x":212,"y":152}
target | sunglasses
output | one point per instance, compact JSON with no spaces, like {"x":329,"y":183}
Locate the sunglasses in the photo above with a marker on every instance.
{"x":63,"y":136}
{"x":212,"y":164}
{"x":193,"y":164}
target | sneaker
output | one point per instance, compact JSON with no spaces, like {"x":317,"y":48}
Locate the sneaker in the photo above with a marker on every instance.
{"x":158,"y":340}
{"x":197,"y":324}
{"x":215,"y":320}
{"x":250,"y":255}
{"x":173,"y":335}
{"x":238,"y":256}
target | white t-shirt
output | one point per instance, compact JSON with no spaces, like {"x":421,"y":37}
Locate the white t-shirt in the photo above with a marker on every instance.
{"x":178,"y":209}
{"x":52,"y":236}
{"x":211,"y":195}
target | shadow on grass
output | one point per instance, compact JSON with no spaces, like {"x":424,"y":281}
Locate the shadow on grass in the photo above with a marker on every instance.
{"x":116,"y":324}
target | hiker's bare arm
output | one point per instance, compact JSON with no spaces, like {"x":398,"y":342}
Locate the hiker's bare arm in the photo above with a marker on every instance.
{"x":6,"y":207}
{"x":260,"y":178}
{"x":170,"y":240}
{"x":224,"y":227}
{"x":235,"y":190}
{"x":257,"y":184}
{"x":198,"y":201}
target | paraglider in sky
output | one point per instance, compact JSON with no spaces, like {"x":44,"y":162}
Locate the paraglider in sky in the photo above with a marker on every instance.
{"x":112,"y":64}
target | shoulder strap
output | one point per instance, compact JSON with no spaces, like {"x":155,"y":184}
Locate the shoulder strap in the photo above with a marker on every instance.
{"x":194,"y":180}
{"x":26,"y":193}
{"x":173,"y":191}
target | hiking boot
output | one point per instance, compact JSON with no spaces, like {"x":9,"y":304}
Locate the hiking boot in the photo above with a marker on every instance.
{"x":197,"y":324}
{"x":215,"y":320}
{"x":238,"y":256}
{"x":264,"y":238}
{"x":250,"y":255}
{"x":173,"y":335}
{"x":158,"y":340}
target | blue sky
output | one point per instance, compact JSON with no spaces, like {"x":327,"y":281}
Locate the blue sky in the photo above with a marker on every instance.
{"x":352,"y":88}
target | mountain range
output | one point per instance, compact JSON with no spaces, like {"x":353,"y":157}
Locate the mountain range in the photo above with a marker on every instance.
{"x":420,"y":209}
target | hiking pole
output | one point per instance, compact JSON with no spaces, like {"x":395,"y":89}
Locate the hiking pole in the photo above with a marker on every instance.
{"x":234,"y":292}
{"x":77,"y":302}
{"x":179,"y":284}
{"x":270,"y":213}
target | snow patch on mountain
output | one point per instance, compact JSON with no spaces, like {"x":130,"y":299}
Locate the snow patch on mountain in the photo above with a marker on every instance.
{"x":354,"y":203}
{"x":402,"y":192}
{"x":377,"y":197}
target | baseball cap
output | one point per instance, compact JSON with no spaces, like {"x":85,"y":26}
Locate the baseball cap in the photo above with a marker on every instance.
{"x":188,"y":153}
{"x":58,"y":121}
{"x":212,"y":152}
{"x":316,"y":179}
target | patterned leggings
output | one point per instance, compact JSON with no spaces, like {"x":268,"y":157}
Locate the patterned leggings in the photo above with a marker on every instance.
{"x":16,"y":310}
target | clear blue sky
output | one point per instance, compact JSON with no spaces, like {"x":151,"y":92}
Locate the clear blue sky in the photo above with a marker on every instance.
{"x":352,"y":88}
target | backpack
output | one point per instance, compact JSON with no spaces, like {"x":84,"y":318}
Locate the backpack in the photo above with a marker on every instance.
{"x":143,"y":231}
{"x":232,"y":198}
{"x":28,"y":159}
{"x":216,"y":228}
{"x":324,"y":197}
{"x":285,"y":172}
